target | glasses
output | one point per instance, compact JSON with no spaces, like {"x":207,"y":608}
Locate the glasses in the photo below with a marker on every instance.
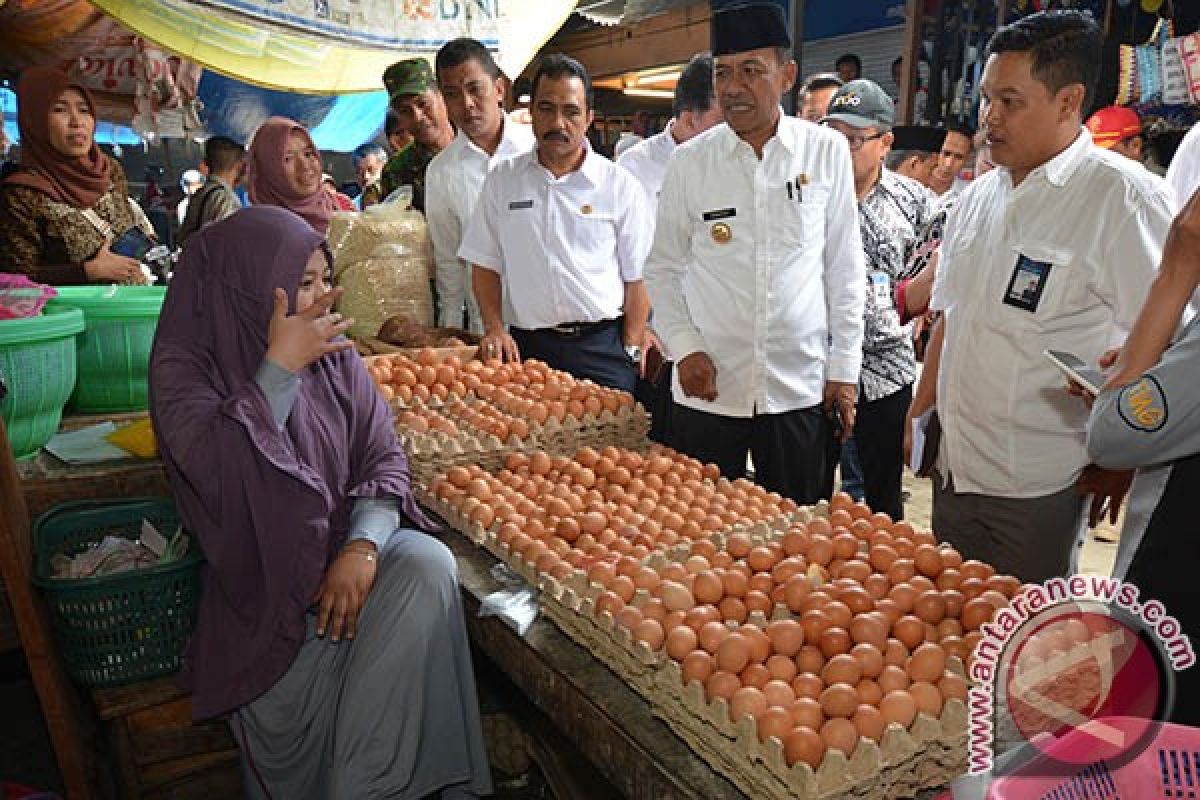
{"x":856,"y":141}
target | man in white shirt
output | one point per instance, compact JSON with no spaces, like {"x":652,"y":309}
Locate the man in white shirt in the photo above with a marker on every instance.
{"x":558,"y":242}
{"x":695,"y":110}
{"x":757,"y":274}
{"x":473,"y":87}
{"x":815,"y":95}
{"x":1184,"y":172}
{"x":1054,"y":249}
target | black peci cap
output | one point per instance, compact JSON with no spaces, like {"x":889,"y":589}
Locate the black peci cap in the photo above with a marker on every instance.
{"x":749,"y":27}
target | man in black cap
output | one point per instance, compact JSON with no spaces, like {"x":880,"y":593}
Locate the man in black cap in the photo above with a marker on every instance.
{"x":892,"y":210}
{"x":914,"y":152}
{"x":756,"y":274}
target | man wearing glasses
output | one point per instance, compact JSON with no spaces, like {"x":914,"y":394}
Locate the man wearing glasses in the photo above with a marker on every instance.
{"x":756,"y":274}
{"x":892,"y":210}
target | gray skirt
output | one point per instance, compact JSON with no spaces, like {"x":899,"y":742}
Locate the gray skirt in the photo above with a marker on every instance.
{"x":390,"y":714}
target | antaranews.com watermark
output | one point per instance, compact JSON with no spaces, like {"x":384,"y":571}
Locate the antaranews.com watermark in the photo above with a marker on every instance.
{"x":1068,"y":652}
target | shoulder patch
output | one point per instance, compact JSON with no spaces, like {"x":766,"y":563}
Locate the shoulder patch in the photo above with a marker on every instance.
{"x":1143,"y":405}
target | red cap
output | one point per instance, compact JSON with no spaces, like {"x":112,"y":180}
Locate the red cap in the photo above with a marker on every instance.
{"x":1113,"y":124}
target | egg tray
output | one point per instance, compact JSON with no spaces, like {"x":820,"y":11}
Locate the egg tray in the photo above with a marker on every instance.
{"x":928,"y":755}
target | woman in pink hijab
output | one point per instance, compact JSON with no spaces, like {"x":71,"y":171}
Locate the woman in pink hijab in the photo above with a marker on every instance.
{"x":283,"y":168}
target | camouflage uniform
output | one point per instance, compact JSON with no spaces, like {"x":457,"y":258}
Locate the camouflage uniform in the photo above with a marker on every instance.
{"x":407,"y":168}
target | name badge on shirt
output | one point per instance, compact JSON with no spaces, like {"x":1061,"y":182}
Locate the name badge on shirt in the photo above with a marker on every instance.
{"x":518,"y":205}
{"x":724,"y":213}
{"x":1027,"y":283}
{"x":881,"y":288}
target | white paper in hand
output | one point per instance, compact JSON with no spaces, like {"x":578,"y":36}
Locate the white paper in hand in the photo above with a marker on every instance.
{"x":920,"y":425}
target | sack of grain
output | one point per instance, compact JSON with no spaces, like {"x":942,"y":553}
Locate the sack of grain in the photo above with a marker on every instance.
{"x":382,"y":258}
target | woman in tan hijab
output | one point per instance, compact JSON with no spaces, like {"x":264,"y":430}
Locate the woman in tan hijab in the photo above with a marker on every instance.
{"x":68,"y":201}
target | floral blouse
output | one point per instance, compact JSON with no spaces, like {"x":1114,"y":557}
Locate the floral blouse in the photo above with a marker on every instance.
{"x":48,"y":240}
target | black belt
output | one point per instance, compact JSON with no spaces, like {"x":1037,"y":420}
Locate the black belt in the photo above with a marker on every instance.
{"x":570,"y":330}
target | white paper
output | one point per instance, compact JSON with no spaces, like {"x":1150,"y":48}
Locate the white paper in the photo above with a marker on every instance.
{"x":86,"y":445}
{"x":518,"y":608}
{"x":919,"y":426}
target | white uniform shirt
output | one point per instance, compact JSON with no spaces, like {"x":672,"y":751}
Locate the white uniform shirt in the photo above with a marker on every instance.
{"x":1184,"y":172}
{"x":647,"y":160}
{"x":1063,"y":262}
{"x":564,"y":247}
{"x":759,"y":263}
{"x":453,"y":181}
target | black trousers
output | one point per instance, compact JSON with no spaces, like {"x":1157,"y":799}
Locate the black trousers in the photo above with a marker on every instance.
{"x":879,"y":433}
{"x":793,"y":452}
{"x":597,"y":354}
{"x":655,"y":397}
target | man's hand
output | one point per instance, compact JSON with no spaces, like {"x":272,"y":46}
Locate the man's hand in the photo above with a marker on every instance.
{"x":295,"y":341}
{"x":1107,"y":488}
{"x":843,"y":397}
{"x":1105,"y":361}
{"x":344,"y":590}
{"x":498,"y":344}
{"x":649,"y":342}
{"x":698,"y":376}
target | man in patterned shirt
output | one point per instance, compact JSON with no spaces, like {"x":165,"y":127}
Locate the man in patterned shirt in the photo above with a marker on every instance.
{"x":416,"y":99}
{"x":892,"y":210}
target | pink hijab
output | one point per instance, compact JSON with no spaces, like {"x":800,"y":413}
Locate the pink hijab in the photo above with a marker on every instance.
{"x":267,"y":180}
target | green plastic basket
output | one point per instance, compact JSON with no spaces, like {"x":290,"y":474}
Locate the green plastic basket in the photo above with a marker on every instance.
{"x":118,"y":628}
{"x":37,"y":362}
{"x":114,"y":351}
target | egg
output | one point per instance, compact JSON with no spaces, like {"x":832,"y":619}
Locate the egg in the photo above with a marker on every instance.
{"x":928,"y":560}
{"x":608,"y":602}
{"x":910,"y":631}
{"x":892,"y":678}
{"x":808,"y":684}
{"x":976,"y":612}
{"x":869,"y":692}
{"x":786,"y":635}
{"x":810,"y":659}
{"x":840,"y":734}
{"x":869,"y":659}
{"x":795,"y":590}
{"x":952,"y":687}
{"x":774,"y":722}
{"x":680,"y":641}
{"x":676,"y":596}
{"x":733,"y":610}
{"x":747,"y":701}
{"x":927,"y":663}
{"x":870,"y":628}
{"x":755,"y":675}
{"x":834,"y":641}
{"x":778,"y":692}
{"x":696,"y":666}
{"x":804,"y":745}
{"x":711,"y":634}
{"x":898,"y":706}
{"x":839,"y":700}
{"x":628,"y":617}
{"x":842,"y":668}
{"x":869,"y":722}
{"x":930,"y":606}
{"x":781,"y":667}
{"x":927,"y":697}
{"x":760,"y":643}
{"x":649,"y":631}
{"x":733,"y":653}
{"x":721,"y":684}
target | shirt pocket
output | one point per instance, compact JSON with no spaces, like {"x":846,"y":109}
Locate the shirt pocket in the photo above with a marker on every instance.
{"x":592,"y":237}
{"x":1063,"y":287}
{"x":798,"y":215}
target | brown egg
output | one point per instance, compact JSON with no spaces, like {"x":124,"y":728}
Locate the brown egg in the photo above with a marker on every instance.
{"x":928,"y":560}
{"x":954,"y":602}
{"x":869,"y":692}
{"x":778,"y":693}
{"x":609,"y":602}
{"x":676,"y":596}
{"x":795,"y":590}
{"x":952,"y":687}
{"x":893,"y":678}
{"x":733,"y":653}
{"x":708,"y":587}
{"x":903,"y":595}
{"x":808,"y":684}
{"x":814,"y":623}
{"x":711,"y":634}
{"x":810,"y":659}
{"x":869,"y":658}
{"x":909,"y":630}
{"x":839,"y":700}
{"x":895,"y":653}
{"x":882,"y":556}
{"x":842,"y":668}
{"x":733,"y":610}
{"x":782,"y":667}
{"x":697,"y":666}
{"x":976,"y":612}
{"x":650,"y":631}
{"x":721,"y":684}
{"x":786,"y":635}
{"x":927,"y":663}
{"x":834,"y":641}
{"x":898,"y":706}
{"x":840,"y":734}
{"x":804,"y":745}
{"x":869,"y":722}
{"x":870,"y":628}
{"x":760,"y":643}
{"x":774,"y":722}
{"x":696,"y":618}
{"x":927,"y":698}
{"x":628,"y":617}
{"x":747,"y":701}
{"x":755,"y":675}
{"x":930,"y":606}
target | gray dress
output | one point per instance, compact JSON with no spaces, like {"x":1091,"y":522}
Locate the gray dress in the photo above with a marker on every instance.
{"x":390,"y":714}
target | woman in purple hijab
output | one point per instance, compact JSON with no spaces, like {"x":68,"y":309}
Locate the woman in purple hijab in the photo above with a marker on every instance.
{"x":330,"y":627}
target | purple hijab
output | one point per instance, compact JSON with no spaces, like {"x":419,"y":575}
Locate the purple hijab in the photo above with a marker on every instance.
{"x":270,"y":507}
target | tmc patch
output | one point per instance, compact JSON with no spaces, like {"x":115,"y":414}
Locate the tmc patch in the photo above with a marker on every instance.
{"x":1143,"y":405}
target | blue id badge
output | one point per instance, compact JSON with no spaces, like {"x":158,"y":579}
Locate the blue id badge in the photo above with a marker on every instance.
{"x":1027,"y":283}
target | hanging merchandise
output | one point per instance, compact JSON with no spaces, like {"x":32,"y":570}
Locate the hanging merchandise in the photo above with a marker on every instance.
{"x":1189,"y":53}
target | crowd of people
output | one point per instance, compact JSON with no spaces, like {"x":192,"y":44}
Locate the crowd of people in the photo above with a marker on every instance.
{"x":789,"y":270}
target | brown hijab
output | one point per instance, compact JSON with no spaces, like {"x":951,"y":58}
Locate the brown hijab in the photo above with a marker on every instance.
{"x":79,"y":182}
{"x":267,"y":179}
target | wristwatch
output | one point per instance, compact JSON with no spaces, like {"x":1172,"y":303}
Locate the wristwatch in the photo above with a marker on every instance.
{"x":634,"y":352}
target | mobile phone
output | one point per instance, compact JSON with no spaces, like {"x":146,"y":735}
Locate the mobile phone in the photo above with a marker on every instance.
{"x":132,"y":244}
{"x":1077,"y":369}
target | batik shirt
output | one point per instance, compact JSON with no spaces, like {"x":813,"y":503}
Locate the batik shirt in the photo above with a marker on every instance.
{"x":890,"y":218}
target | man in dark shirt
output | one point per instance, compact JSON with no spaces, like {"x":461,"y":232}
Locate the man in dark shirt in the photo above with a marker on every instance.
{"x":215,"y":200}
{"x":418,"y":102}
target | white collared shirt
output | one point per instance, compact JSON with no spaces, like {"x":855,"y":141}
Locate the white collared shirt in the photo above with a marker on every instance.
{"x":453,"y":181}
{"x":564,"y":247}
{"x":759,"y":264}
{"x":1184,"y":172}
{"x":647,"y":160}
{"x":1090,"y":225}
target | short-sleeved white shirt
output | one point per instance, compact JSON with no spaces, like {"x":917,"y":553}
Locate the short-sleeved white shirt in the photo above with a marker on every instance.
{"x":564,"y":247}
